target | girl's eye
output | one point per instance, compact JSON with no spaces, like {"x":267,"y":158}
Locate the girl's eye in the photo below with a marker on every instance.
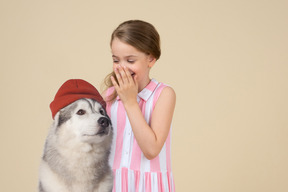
{"x":81,"y":112}
{"x":115,"y":61}
{"x":131,"y":61}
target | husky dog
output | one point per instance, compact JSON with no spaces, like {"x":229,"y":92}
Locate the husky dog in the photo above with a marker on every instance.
{"x":77,"y":149}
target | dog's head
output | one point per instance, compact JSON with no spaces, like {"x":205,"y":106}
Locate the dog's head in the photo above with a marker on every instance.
{"x":84,"y":120}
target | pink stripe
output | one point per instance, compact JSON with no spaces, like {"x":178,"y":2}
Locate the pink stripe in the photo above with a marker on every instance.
{"x":136,"y":151}
{"x":124,"y":175}
{"x":157,"y":94}
{"x":151,"y":86}
{"x":108,"y":109}
{"x":108,"y":104}
{"x":160,"y":183}
{"x":137,"y":177}
{"x":169,"y":182}
{"x":136,"y":154}
{"x":147,"y":182}
{"x":173,"y":184}
{"x":121,"y":121}
{"x":155,"y":164}
{"x":168,"y":151}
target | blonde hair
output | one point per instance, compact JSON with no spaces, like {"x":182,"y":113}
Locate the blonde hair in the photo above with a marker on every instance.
{"x":139,"y":34}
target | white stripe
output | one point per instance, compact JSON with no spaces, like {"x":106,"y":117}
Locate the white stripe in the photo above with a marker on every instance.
{"x":142,"y":182}
{"x":154,"y":80}
{"x":126,"y":148}
{"x":145,"y":164}
{"x":154,"y":182}
{"x":118,"y":180}
{"x":145,"y":93}
{"x":131,"y":181}
{"x":162,"y":159}
{"x":113,"y":113}
{"x":130,"y":144}
{"x":165,"y":181}
{"x":171,"y":182}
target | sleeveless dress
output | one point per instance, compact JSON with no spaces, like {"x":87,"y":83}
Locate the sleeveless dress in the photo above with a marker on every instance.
{"x":133,"y":172}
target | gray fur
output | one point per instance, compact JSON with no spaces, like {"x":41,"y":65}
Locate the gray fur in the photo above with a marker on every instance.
{"x":40,"y":187}
{"x":57,"y":163}
{"x":83,"y":168}
{"x":65,"y":114}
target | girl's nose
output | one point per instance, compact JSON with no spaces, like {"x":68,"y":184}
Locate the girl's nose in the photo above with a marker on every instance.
{"x":124,"y":64}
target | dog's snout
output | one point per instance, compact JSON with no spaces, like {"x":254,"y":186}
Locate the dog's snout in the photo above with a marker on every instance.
{"x":103,"y":122}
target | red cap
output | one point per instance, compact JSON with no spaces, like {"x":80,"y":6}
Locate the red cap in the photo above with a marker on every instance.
{"x":73,"y":90}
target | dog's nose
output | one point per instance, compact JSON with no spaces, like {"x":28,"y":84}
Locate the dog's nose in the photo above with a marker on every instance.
{"x":103,"y":122}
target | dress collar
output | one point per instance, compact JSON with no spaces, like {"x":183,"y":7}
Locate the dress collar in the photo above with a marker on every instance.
{"x":147,"y":91}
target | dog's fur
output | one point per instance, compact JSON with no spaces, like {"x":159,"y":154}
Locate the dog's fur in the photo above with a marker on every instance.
{"x":77,"y":149}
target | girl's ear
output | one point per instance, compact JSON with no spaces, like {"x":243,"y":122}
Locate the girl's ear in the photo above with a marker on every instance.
{"x":152,"y":61}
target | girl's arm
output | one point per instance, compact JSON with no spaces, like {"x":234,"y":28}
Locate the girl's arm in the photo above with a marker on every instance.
{"x":150,"y":139}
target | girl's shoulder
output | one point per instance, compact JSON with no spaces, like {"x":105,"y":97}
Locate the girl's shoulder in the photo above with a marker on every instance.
{"x":165,"y":89}
{"x":168,"y":91}
{"x":164,"y":94}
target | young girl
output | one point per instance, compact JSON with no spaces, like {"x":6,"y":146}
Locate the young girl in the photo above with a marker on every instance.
{"x":141,"y":111}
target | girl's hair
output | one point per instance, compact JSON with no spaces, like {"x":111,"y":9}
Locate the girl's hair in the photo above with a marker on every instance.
{"x":141,"y":35}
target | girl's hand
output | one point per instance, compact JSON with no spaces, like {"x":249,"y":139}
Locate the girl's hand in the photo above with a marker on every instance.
{"x":127,"y":89}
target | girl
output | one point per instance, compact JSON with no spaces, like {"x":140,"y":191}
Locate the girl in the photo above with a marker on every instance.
{"x":141,"y":111}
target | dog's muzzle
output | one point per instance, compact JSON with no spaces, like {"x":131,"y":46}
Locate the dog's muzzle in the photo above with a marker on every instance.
{"x":104,"y":126}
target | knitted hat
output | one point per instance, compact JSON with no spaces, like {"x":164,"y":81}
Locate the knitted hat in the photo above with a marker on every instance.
{"x":73,"y":90}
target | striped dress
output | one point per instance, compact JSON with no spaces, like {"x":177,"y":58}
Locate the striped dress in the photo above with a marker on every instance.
{"x":133,"y":172}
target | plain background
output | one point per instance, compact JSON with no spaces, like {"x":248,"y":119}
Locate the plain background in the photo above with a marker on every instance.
{"x":227,"y":61}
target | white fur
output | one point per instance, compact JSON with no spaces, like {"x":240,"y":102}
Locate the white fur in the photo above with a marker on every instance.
{"x":76,"y":148}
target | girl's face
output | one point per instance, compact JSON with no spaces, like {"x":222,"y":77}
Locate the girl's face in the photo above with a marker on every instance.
{"x":137,"y":62}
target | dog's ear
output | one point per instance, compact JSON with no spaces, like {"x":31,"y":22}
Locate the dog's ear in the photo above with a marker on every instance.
{"x":64,"y":115}
{"x":56,"y":119}
{"x":59,"y":119}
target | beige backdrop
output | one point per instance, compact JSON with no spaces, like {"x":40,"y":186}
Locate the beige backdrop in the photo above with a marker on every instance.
{"x":227,"y":61}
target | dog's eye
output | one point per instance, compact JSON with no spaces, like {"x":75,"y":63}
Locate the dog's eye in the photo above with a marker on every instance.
{"x":81,"y":112}
{"x":102,"y":112}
